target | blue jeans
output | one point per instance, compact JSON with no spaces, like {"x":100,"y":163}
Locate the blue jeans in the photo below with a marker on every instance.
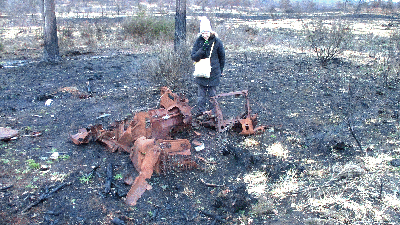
{"x":204,"y":94}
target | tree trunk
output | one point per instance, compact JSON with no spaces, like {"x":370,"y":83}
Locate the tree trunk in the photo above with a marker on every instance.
{"x":42,"y":10}
{"x":359,"y":6}
{"x":180,"y":25}
{"x":51,"y":50}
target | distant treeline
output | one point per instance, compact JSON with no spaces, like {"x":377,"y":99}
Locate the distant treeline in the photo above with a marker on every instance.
{"x":116,"y":7}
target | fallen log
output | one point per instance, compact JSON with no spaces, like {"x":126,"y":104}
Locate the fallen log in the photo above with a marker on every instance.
{"x":45,"y":196}
{"x":6,"y":188}
{"x":119,"y":190}
{"x":91,"y":173}
{"x":109,"y":178}
{"x":215,"y":217}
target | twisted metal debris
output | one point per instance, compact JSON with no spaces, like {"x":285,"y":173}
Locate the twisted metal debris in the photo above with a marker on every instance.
{"x":244,"y":123}
{"x":147,"y":137}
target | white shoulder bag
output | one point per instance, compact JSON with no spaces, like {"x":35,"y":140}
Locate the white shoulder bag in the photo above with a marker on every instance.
{"x":202,"y":68}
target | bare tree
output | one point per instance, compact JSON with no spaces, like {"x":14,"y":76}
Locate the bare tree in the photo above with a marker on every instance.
{"x":51,"y":49}
{"x":389,"y":6}
{"x":345,"y":4}
{"x":180,"y":24}
{"x":376,"y":4}
{"x":307,"y":5}
{"x":286,"y":6}
{"x":202,"y":3}
{"x":360,"y":4}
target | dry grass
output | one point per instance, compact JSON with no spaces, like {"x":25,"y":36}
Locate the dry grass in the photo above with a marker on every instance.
{"x":287,"y":184}
{"x":256,"y":182}
{"x":349,"y":193}
{"x":277,"y":149}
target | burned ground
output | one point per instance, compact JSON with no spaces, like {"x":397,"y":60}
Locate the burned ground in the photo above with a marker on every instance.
{"x":314,"y":114}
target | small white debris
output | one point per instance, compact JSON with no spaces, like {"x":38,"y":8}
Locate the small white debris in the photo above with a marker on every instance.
{"x":248,"y":142}
{"x":54,"y":156}
{"x":199,"y":148}
{"x":166,"y":117}
{"x":102,"y":116}
{"x":44,"y":167}
{"x":48,"y":102}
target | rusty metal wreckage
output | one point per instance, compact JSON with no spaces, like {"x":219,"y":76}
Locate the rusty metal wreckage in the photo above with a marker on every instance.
{"x":147,"y":137}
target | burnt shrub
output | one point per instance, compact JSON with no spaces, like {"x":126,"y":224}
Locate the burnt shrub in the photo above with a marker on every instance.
{"x":395,"y":39}
{"x":389,"y":64}
{"x":328,"y":40}
{"x":1,"y":41}
{"x":87,"y":33}
{"x":170,"y":68}
{"x":66,"y":38}
{"x":67,"y":32}
{"x":150,"y":28}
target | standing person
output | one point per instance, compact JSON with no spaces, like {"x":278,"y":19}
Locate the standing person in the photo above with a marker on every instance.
{"x":207,"y":87}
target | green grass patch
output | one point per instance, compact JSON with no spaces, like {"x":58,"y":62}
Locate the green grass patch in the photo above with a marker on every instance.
{"x":118,"y":176}
{"x":5,"y":161}
{"x":64,"y":157}
{"x":32,"y":164}
{"x":85,"y":178}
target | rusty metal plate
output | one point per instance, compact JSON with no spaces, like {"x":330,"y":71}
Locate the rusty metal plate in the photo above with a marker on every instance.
{"x":7,"y":133}
{"x":145,"y":156}
{"x":149,"y":155}
{"x":174,"y":115}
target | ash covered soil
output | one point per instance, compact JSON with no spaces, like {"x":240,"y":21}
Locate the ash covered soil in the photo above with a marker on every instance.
{"x":307,"y":108}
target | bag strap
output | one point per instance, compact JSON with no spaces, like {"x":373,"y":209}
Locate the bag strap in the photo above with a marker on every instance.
{"x":212,"y":46}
